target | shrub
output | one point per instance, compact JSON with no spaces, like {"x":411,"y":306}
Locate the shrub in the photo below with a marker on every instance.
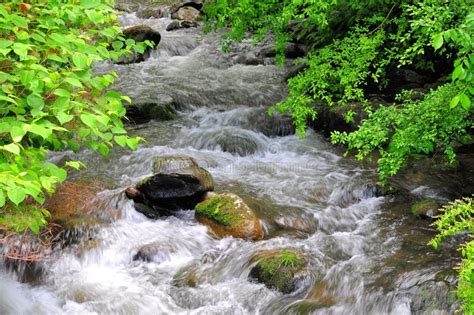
{"x":50,"y":99}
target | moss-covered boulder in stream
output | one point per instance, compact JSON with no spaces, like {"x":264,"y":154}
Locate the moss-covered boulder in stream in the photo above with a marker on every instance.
{"x":178,"y":183}
{"x":279,"y":270}
{"x":425,"y":209}
{"x":228,"y":215}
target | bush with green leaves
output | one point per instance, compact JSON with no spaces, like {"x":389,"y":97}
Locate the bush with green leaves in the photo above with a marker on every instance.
{"x":456,"y":218}
{"x":50,"y":99}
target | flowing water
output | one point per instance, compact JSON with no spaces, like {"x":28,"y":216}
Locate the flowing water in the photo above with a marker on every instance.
{"x":366,"y":256}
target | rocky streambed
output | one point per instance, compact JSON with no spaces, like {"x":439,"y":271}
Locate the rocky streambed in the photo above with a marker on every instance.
{"x":224,"y":210}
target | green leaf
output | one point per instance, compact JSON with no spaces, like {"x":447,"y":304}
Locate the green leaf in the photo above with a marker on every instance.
{"x":64,"y":118}
{"x":121,"y":140}
{"x":2,"y":198}
{"x":458,"y":73}
{"x":117,"y":45}
{"x":465,"y":101}
{"x":89,"y":120}
{"x":75,"y":164}
{"x":7,"y":99}
{"x":35,"y":101}
{"x":438,"y":41}
{"x":16,"y":195}
{"x":90,"y":3}
{"x":41,"y":131}
{"x":56,"y":58}
{"x":61,"y":103}
{"x":454,"y":101}
{"x":74,"y":82}
{"x":103,"y":149}
{"x":17,"y":133}
{"x":13,"y":148}
{"x":34,"y":226}
{"x":4,"y":43}
{"x":80,"y":61}
{"x":133,"y":143}
{"x":62,"y":92}
{"x":26,"y":77}
{"x":20,"y":21}
{"x":20,"y":49}
{"x":58,"y":172}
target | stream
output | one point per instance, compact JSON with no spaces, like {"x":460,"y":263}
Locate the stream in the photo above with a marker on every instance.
{"x":366,"y":254}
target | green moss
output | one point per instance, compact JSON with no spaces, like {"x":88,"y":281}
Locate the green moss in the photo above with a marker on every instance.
{"x":220,"y":209}
{"x":422,"y":207}
{"x":287,"y":259}
{"x":278,"y":271}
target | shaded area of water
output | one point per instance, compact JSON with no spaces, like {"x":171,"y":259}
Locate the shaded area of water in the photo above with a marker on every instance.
{"x":366,"y":256}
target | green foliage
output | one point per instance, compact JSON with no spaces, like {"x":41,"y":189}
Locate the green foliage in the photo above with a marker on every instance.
{"x":51,"y":100}
{"x":457,"y":217}
{"x":402,"y":131}
{"x":266,"y":16}
{"x":337,"y":72}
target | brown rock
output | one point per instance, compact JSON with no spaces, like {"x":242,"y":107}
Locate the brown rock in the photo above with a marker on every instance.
{"x":228,"y":215}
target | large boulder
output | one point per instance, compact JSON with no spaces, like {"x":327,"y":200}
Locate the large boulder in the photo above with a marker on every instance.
{"x":178,"y":183}
{"x":279,"y":270}
{"x":228,"y":215}
{"x":140,"y":33}
{"x":187,"y":13}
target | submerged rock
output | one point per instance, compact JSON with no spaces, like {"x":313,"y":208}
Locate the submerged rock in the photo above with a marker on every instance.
{"x":425,"y":209}
{"x":173,"y":25}
{"x":177,"y":183}
{"x":140,"y":33}
{"x":228,"y":215}
{"x":279,"y":270}
{"x":153,"y":252}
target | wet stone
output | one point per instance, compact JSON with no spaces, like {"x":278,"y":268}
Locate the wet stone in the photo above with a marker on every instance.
{"x":178,"y":183}
{"x":228,"y":215}
{"x":279,"y":270}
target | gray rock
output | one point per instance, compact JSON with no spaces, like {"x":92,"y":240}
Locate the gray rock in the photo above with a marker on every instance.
{"x":174,"y":25}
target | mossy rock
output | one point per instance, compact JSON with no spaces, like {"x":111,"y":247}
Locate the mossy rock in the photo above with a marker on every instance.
{"x":278,"y":270}
{"x":425,"y":209}
{"x":228,"y":215}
